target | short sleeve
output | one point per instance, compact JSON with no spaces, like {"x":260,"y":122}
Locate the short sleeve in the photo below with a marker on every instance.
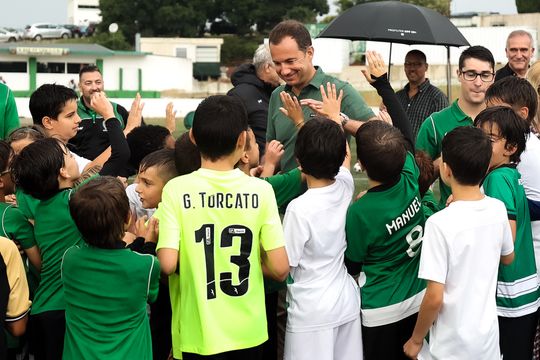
{"x":296,"y":231}
{"x":355,"y":229}
{"x":434,"y":256}
{"x":286,"y":186}
{"x":271,"y":233}
{"x":169,"y":221}
{"x":426,"y":139}
{"x":497,"y":186}
{"x":153,"y":279}
{"x":18,"y":303}
{"x":508,"y":241}
{"x":11,"y":116}
{"x":81,"y":162}
{"x":23,"y":231}
{"x":354,"y":105}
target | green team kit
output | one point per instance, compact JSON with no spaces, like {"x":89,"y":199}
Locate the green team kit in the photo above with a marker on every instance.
{"x":517,"y":285}
{"x":384,"y":232}
{"x":218,"y":221}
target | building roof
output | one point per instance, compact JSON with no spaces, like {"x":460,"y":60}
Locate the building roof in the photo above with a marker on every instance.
{"x":61,"y":49}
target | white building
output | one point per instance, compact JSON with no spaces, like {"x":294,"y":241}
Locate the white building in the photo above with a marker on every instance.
{"x":27,"y":66}
{"x":83,"y":12}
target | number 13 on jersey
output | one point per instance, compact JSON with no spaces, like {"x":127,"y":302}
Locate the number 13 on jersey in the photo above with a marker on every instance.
{"x":205,"y":235}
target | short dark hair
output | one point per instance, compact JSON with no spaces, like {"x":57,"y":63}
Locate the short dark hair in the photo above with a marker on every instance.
{"x":33,"y":132}
{"x":321,"y":148}
{"x":511,"y":127}
{"x":163,"y":160}
{"x":144,"y":140}
{"x":476,"y":52}
{"x":89,"y":69}
{"x":418,"y":53}
{"x":6,"y":153}
{"x":100,"y":209}
{"x":427,"y":171}
{"x":516,"y":92}
{"x":293,"y":29}
{"x":35,"y":170}
{"x":381,"y":149}
{"x":187,"y":156}
{"x":219,"y":121}
{"x":467,"y":151}
{"x":49,"y":100}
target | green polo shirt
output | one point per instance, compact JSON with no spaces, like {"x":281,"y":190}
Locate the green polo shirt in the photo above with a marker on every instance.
{"x":281,"y":128}
{"x":432,"y":131}
{"x":9,"y":117}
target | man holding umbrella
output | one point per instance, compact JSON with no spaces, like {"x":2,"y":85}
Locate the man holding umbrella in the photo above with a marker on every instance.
{"x":292,"y":53}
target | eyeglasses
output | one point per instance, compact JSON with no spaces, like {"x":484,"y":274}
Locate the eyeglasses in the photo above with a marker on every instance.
{"x":471,"y":75}
{"x":5,"y":172}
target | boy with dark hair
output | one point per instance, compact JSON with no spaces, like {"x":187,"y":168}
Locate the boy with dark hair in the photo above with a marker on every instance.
{"x":90,"y":274}
{"x":55,"y":108}
{"x":462,"y":247}
{"x":323,"y":320}
{"x":521,"y":96}
{"x":144,"y":140}
{"x":46,"y":170}
{"x":516,"y":305}
{"x":187,"y":157}
{"x":475,"y":74}
{"x":224,"y":316}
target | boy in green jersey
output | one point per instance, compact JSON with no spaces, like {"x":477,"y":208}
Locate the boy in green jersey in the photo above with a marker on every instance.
{"x":518,"y":294}
{"x":225,"y":222}
{"x":106,"y":285}
{"x":46,"y":171}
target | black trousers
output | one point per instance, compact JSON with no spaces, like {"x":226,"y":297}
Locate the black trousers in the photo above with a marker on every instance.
{"x":386,"y":341}
{"x":47,"y":337}
{"x":254,"y":353}
{"x":516,"y":336}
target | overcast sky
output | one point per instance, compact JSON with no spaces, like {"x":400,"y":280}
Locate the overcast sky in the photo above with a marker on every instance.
{"x":19,"y":13}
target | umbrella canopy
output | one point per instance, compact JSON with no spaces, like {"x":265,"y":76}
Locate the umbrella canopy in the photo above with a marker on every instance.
{"x":394,"y":21}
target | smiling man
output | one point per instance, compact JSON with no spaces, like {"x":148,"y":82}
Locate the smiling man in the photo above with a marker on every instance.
{"x":292,"y":53}
{"x":475,"y":76}
{"x":92,"y":138}
{"x":419,"y":98}
{"x":519,"y":51}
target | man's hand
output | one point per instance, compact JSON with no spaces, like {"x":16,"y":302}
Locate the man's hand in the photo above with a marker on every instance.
{"x":100,"y":104}
{"x":135,"y":114}
{"x":376,"y":66}
{"x":291,"y":108}
{"x":170,"y":117}
{"x":412,"y":348}
{"x":330,"y":105}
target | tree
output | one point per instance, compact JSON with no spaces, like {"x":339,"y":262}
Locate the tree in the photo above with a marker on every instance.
{"x":441,"y":6}
{"x":527,"y":6}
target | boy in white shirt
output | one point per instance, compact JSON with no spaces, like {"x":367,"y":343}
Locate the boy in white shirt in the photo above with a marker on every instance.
{"x":323,"y":300}
{"x":462,"y":247}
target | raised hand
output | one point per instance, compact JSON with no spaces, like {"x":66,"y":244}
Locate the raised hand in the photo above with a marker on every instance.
{"x":291,"y":108}
{"x":376,"y":66}
{"x":170,"y":117}
{"x":135,"y":114}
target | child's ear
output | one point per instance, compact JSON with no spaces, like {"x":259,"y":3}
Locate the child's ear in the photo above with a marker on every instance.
{"x":64,"y":173}
{"x":245,"y":157}
{"x":241,"y":142}
{"x":523,"y":112}
{"x":510,"y":149}
{"x":46,"y":121}
{"x":191,"y":137}
{"x":446,"y":170}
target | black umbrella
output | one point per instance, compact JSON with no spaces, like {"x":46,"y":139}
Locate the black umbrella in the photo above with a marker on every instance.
{"x":396,"y":22}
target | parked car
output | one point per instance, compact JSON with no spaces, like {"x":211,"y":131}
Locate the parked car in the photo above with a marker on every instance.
{"x":74,"y":29}
{"x":45,"y":31}
{"x":8,"y":36}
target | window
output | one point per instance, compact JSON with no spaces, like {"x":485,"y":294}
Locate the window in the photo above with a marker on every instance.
{"x":13,"y":67}
{"x":206,"y":54}
{"x":74,"y":68}
{"x":181,"y":53}
{"x":88,"y":7}
{"x":51,"y":68}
